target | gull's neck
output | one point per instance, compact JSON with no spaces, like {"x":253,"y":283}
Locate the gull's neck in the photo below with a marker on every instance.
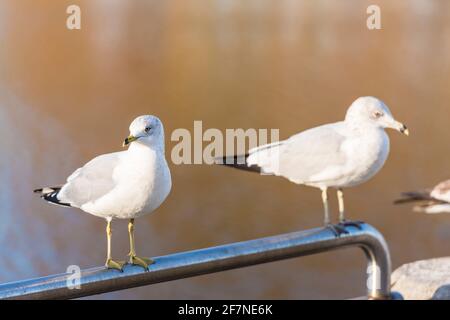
{"x":139,"y":147}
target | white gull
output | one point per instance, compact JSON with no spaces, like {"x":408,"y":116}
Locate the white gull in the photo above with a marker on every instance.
{"x":121,"y":185}
{"x":336,"y":155}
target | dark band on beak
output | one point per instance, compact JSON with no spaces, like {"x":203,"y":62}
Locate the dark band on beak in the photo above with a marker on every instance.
{"x":404,"y":130}
{"x":129,"y":140}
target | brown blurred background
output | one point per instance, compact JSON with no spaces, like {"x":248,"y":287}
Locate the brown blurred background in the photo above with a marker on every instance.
{"x":67,"y":96}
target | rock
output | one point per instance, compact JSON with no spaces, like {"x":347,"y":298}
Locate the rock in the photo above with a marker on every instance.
{"x":423,"y":280}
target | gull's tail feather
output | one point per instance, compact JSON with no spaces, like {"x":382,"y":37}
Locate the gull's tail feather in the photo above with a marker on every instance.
{"x":50,"y":194}
{"x":238,"y":162}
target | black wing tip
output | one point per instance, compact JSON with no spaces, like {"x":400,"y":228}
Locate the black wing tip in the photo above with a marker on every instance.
{"x":414,"y":196}
{"x":226,"y":160}
{"x":238,"y":162}
{"x":51,"y":195}
{"x":402,"y":201}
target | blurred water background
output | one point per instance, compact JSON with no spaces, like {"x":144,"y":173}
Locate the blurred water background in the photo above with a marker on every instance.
{"x":67,"y":96}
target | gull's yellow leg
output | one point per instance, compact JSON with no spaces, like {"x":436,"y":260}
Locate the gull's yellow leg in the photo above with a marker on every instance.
{"x":340,"y":196}
{"x":342,"y":221}
{"x":337,"y":229}
{"x":326,"y":219}
{"x":110,"y":263}
{"x":134,"y":259}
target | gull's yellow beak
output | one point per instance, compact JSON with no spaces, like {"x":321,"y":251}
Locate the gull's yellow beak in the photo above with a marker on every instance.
{"x":129,"y":140}
{"x":400,"y":127}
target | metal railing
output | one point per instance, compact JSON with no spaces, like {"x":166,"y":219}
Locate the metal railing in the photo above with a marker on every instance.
{"x":216,"y":259}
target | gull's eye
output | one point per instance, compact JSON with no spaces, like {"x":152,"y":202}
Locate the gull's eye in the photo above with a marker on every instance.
{"x":378,"y":114}
{"x":147,"y":130}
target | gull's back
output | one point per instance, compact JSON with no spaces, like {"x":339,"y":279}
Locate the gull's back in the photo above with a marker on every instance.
{"x":303,"y":155}
{"x":442,"y":191}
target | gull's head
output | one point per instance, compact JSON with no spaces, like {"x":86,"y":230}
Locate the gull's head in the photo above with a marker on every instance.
{"x":147,"y":130}
{"x":373,"y":111}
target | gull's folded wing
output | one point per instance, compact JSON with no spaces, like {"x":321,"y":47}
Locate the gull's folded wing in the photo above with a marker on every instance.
{"x":86,"y":184}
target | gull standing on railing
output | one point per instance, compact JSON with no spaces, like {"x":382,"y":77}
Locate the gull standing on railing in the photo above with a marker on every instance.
{"x":436,"y":200}
{"x":336,"y":155}
{"x":121,"y":185}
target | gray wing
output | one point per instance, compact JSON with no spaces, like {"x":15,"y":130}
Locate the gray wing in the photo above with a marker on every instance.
{"x":90,"y":182}
{"x":304,"y":155}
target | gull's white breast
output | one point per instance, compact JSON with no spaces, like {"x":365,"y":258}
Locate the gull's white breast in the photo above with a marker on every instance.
{"x":366,"y":156}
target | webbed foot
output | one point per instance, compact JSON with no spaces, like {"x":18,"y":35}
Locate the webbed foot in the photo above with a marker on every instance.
{"x":139,"y":261}
{"x":337,"y":229}
{"x":351,"y":223}
{"x":117,"y":265}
